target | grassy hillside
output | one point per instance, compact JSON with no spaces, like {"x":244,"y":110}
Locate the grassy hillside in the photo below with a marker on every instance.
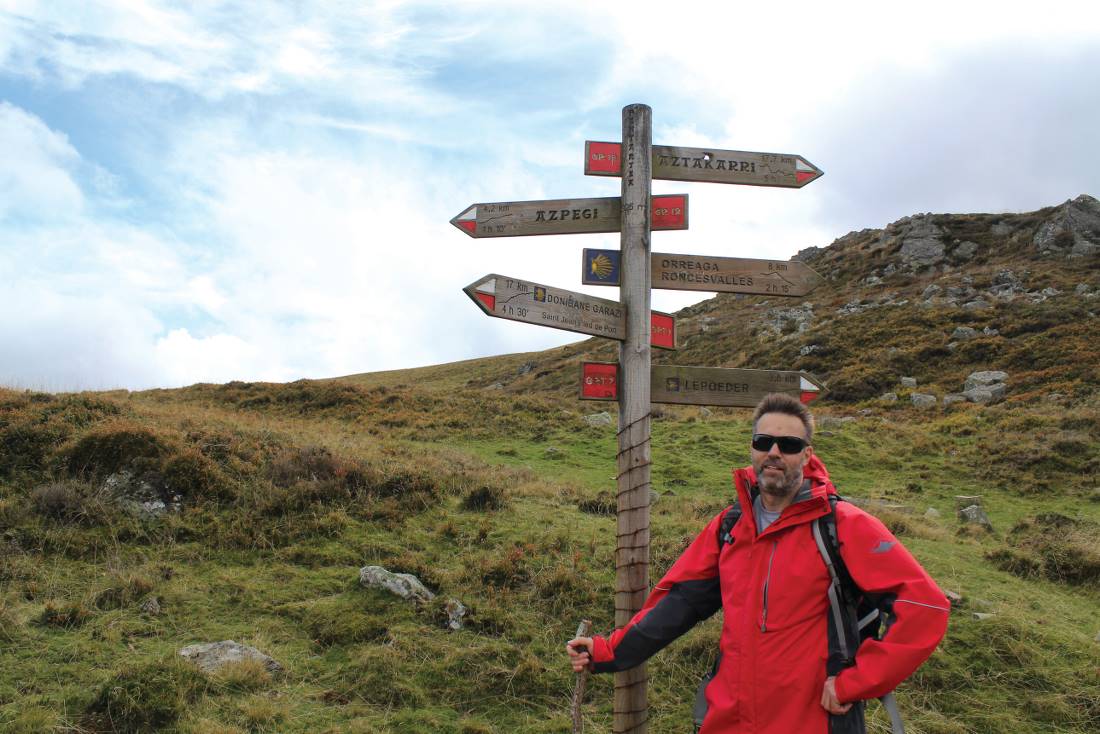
{"x":482,"y":479}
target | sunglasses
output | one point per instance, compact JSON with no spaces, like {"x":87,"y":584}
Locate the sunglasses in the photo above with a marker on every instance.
{"x":787,"y":444}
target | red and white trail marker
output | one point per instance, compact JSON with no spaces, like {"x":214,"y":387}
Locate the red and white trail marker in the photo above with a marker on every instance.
{"x":565,"y":216}
{"x":710,"y":165}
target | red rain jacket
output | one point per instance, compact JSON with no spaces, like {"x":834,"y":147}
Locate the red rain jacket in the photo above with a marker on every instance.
{"x":772,"y":589}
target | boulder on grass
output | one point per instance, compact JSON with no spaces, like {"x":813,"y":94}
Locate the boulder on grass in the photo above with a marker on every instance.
{"x":211,"y":657}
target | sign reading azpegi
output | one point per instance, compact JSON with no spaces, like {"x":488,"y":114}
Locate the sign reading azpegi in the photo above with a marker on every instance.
{"x":708,"y":165}
{"x":565,"y":216}
{"x":719,"y":386}
{"x":706,"y":273}
{"x":522,"y":300}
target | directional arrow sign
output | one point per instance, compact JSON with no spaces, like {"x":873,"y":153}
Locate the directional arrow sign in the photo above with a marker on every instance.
{"x":738,"y":388}
{"x":565,"y":216}
{"x":522,"y":300}
{"x":708,"y":164}
{"x":705,"y":273}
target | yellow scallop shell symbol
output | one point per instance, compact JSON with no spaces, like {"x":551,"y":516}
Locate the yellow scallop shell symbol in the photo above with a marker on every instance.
{"x":601,"y":266}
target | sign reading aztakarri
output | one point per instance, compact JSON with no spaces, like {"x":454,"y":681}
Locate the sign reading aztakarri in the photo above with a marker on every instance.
{"x":521,"y":300}
{"x":707,"y":273}
{"x":565,"y":216}
{"x":709,"y":165}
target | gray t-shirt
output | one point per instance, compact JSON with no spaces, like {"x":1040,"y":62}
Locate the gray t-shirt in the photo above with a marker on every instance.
{"x":764,"y":517}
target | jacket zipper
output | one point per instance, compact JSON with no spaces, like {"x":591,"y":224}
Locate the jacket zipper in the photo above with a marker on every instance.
{"x":767,"y":582}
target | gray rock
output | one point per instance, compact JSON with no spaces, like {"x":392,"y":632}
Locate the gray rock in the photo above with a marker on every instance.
{"x":932,"y":514}
{"x":151,"y":606}
{"x":456,"y":610}
{"x":707,"y":322}
{"x":954,"y":598}
{"x":908,"y":382}
{"x":982,"y":616}
{"x":1083,"y":289}
{"x":931,"y":291}
{"x":598,"y":419}
{"x":963,"y":333}
{"x":984,"y":395}
{"x":1051,"y":292}
{"x":872,"y":280}
{"x":705,"y":412}
{"x":921,"y":244}
{"x":1097,"y":638}
{"x":1001,"y":229}
{"x":808,"y":349}
{"x":140,"y":497}
{"x":525,"y":368}
{"x":984,"y":378}
{"x":1006,"y":277}
{"x":1073,"y":230}
{"x":212,"y":656}
{"x":889,"y":397}
{"x":404,"y":585}
{"x":952,"y":399}
{"x":923,"y":400}
{"x":989,"y":331}
{"x":966,"y":250}
{"x":978,"y":304}
{"x":975,"y":515}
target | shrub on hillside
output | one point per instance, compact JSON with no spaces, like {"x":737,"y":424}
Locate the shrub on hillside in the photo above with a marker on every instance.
{"x":65,"y":614}
{"x":27,"y":447}
{"x":1052,"y":546}
{"x":145,"y":698}
{"x":113,"y":447}
{"x":70,"y":502}
{"x":484,"y":498}
{"x":192,"y":476}
{"x":123,"y":590}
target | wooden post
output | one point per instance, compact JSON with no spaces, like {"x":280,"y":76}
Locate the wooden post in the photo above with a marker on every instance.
{"x":632,"y":545}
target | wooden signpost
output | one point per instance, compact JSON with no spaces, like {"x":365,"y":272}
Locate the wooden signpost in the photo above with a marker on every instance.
{"x":636,"y":270}
{"x":707,"y":273}
{"x":521,"y":300}
{"x":708,"y":165}
{"x":728,"y":387}
{"x":565,"y":216}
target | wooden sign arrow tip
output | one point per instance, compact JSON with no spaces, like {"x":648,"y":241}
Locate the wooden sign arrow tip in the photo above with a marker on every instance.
{"x":467,"y":220}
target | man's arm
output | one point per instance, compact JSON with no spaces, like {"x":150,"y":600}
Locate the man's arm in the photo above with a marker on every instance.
{"x":879,"y":564}
{"x":689,"y":593}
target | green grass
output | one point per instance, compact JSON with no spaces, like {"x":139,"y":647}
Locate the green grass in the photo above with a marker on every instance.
{"x":271,"y":559}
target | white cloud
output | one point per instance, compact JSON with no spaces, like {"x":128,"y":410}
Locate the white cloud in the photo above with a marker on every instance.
{"x":36,"y":180}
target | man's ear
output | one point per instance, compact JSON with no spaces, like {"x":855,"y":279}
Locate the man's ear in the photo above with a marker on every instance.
{"x":806,"y":458}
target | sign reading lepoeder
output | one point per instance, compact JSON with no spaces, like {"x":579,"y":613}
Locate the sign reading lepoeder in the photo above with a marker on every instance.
{"x":717,"y":386}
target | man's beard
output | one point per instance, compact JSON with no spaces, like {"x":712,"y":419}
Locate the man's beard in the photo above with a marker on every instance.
{"x":781,"y":487}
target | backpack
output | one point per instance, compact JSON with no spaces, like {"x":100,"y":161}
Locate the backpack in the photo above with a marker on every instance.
{"x":853,"y":617}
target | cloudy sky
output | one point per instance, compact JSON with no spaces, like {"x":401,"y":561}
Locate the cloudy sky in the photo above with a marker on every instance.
{"x":261,"y":191}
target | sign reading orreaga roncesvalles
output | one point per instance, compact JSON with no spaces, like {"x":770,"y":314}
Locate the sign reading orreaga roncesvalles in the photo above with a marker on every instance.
{"x":565,"y":216}
{"x":718,"y":386}
{"x":708,"y":165}
{"x":706,"y":273}
{"x":532,"y":303}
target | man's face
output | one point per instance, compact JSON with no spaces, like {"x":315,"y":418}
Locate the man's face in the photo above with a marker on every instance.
{"x":779,"y":474}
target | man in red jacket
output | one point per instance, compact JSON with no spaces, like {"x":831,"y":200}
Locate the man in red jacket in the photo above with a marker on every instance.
{"x":771,"y":582}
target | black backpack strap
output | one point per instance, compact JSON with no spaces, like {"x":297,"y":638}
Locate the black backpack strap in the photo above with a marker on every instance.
{"x":725,"y":528}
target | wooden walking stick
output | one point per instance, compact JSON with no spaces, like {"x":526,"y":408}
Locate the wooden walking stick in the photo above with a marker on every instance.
{"x":583,"y":630}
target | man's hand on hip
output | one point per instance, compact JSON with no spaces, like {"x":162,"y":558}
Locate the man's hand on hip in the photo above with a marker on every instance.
{"x":829,"y":701}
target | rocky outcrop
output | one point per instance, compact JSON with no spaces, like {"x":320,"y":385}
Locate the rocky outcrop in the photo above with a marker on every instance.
{"x":1072,"y":231}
